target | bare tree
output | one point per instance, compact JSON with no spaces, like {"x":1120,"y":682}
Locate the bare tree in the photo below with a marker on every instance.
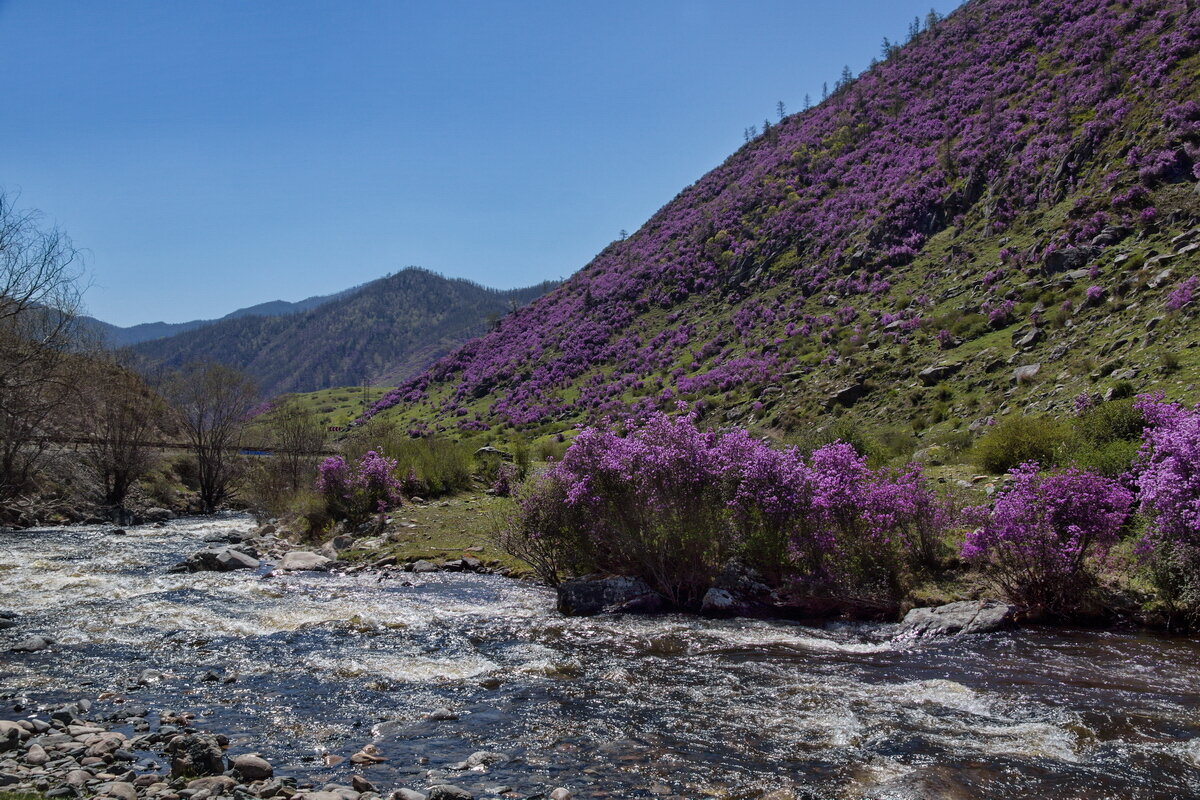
{"x":40,"y":297}
{"x":122,"y":417}
{"x":211,"y":402}
{"x":296,"y":438}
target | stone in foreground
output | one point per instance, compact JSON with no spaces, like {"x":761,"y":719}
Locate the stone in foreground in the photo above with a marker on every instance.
{"x":954,"y":619}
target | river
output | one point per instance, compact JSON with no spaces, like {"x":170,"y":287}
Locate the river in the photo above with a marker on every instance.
{"x":670,"y":706}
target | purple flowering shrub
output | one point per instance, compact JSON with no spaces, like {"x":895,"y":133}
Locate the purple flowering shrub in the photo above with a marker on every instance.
{"x":1183,"y":294}
{"x":357,"y":492}
{"x":671,"y":504}
{"x":1167,"y":475}
{"x":1043,"y":533}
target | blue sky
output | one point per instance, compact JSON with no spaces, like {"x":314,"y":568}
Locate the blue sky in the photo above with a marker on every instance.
{"x":212,"y":155}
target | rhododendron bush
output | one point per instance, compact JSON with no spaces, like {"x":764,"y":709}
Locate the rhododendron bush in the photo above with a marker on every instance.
{"x":1040,"y":538}
{"x":1168,"y":481}
{"x":354,"y":492}
{"x":671,"y":503}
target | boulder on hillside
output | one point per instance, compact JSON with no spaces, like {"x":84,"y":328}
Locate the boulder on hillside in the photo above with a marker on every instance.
{"x":1067,"y":259}
{"x":931,"y":376}
{"x":594,"y":594}
{"x":954,"y":619}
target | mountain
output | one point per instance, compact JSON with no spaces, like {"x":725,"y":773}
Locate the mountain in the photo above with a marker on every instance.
{"x":999,"y":216}
{"x":114,"y":336}
{"x":382,"y":332}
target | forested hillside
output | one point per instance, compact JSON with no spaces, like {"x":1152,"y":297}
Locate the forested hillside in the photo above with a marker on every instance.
{"x":383,"y":333}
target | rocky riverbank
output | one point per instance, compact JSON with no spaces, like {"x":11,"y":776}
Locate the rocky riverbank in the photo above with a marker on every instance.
{"x":80,"y":750}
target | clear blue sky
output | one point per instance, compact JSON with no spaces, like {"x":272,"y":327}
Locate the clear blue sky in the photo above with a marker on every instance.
{"x":213,"y":155}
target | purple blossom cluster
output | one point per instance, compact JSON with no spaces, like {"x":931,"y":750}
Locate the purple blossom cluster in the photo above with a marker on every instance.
{"x":641,"y":498}
{"x":992,"y":114}
{"x":1040,"y":536}
{"x":356,"y":491}
{"x":1183,"y":294}
{"x":1167,"y":473}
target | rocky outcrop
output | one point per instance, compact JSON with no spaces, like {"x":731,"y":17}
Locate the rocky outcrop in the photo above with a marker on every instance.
{"x":954,"y":619}
{"x":1067,"y":259}
{"x":591,"y":595}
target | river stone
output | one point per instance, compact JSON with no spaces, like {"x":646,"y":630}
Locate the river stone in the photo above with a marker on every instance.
{"x":304,"y":561}
{"x":121,"y":790}
{"x":591,"y":595}
{"x":32,"y":644}
{"x":213,"y":784}
{"x":445,"y":791}
{"x":78,"y":777}
{"x":195,"y":754}
{"x":10,"y":734}
{"x":424,"y":566}
{"x":406,"y":794}
{"x":36,"y":755}
{"x":360,"y":784}
{"x":481,"y":758}
{"x":157,"y":515}
{"x":252,"y":768}
{"x":963,"y":617}
{"x":225,"y":559}
{"x":231,"y":559}
{"x":561,"y":793}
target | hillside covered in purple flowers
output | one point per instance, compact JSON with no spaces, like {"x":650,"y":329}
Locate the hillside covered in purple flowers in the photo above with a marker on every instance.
{"x":999,"y":216}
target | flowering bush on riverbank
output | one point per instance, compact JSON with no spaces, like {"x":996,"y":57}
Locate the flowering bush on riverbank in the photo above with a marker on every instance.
{"x":671,"y":503}
{"x":355,"y":492}
{"x":1042,"y":534}
{"x":1167,"y":476}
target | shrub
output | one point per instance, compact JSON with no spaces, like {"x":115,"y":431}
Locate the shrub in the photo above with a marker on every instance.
{"x":1017,"y":439}
{"x":1106,"y":435}
{"x":1039,"y":538}
{"x":355,"y":493}
{"x":431,"y":465}
{"x":1167,"y":474}
{"x":542,"y":532}
{"x":671,"y":504}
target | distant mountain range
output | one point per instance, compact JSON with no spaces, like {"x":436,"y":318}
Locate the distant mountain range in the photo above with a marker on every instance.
{"x":382,"y":332}
{"x":114,"y":336}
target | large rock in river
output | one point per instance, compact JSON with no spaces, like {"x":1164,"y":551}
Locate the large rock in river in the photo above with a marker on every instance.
{"x":965,"y":616}
{"x":224,"y":559}
{"x":587,"y":596}
{"x":304,"y":561}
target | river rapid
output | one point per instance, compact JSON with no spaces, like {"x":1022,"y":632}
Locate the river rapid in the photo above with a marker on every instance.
{"x":621,"y":707}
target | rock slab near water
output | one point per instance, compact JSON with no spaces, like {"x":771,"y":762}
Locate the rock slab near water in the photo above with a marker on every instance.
{"x":304,"y":561}
{"x":591,"y":595}
{"x":954,"y":619}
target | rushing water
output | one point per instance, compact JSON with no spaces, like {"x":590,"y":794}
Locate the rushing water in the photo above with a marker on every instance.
{"x":670,"y":706}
